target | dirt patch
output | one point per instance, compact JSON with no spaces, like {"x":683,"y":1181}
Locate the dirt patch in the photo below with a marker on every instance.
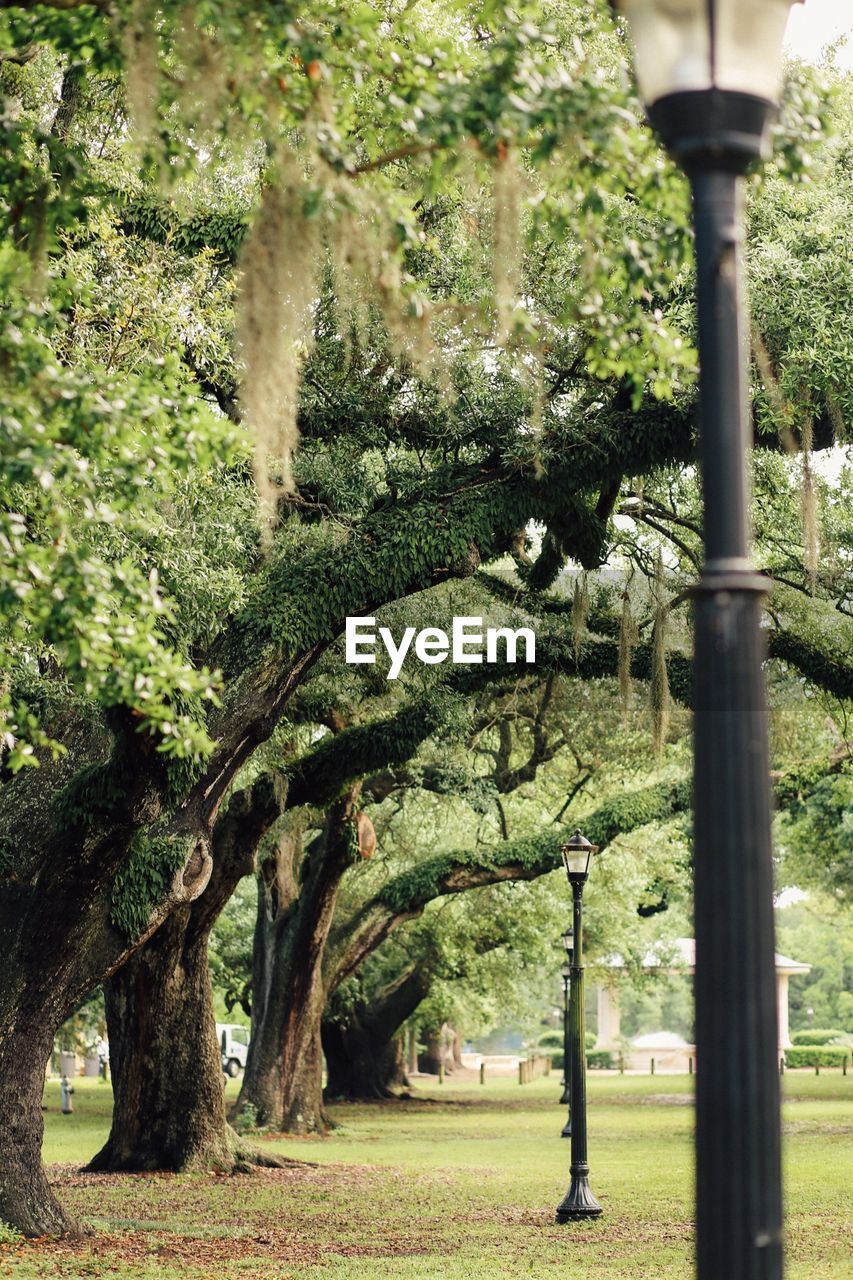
{"x":272,"y":1243}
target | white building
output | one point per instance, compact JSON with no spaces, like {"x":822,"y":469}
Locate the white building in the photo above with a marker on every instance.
{"x":683,"y":961}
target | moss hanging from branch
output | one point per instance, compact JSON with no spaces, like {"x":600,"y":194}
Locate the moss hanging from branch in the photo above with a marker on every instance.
{"x":506,"y":240}
{"x":628,"y":637}
{"x":142,"y":71}
{"x":277,"y":289}
{"x":580,"y":611}
{"x":808,"y":509}
{"x":659,"y":696}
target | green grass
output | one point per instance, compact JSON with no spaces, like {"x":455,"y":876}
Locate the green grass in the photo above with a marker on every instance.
{"x":461,"y":1183}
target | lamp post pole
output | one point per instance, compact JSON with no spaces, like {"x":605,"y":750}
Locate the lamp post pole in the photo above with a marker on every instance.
{"x":578,"y":1202}
{"x":566,"y":978}
{"x":709,"y":72}
{"x":739,"y":1198}
{"x":566,"y":1131}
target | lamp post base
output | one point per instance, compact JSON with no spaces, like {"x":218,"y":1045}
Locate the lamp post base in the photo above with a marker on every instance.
{"x":579,"y":1202}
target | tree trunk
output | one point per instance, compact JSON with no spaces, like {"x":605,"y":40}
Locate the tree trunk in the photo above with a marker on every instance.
{"x":359,"y":1068}
{"x":439,"y":1050}
{"x":169,"y":1104}
{"x":429,"y":1062}
{"x":26,"y":1200}
{"x":364,"y":1051}
{"x":168,"y":1088}
{"x":282,"y":1085}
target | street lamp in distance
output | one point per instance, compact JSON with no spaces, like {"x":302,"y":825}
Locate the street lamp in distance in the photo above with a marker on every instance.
{"x":709,"y":72}
{"x":578,"y":1202}
{"x":568,"y":946}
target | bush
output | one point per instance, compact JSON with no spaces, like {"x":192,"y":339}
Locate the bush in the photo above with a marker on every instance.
{"x":590,"y":1039}
{"x":816,"y":1036}
{"x":550,"y":1040}
{"x":600,"y":1060}
{"x":816,"y":1056}
{"x":556,"y":1061}
{"x":247,"y":1120}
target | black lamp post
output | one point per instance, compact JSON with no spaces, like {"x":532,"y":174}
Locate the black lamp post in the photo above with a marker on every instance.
{"x":578,"y":1202}
{"x":566,"y":975}
{"x":709,"y":73}
{"x":569,"y":945}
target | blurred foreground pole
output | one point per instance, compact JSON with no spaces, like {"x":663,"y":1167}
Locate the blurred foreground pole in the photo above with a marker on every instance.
{"x":708,"y":71}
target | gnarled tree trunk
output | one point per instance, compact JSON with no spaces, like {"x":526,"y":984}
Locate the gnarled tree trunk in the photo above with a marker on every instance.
{"x":58,"y":940}
{"x":359,"y":1067}
{"x":282,"y":1084}
{"x":26,"y":1200}
{"x":169,"y":1101}
{"x":364,"y":1052}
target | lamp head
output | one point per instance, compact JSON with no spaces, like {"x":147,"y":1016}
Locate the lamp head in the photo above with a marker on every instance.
{"x":577,"y":856}
{"x":569,"y":941}
{"x":709,"y":73}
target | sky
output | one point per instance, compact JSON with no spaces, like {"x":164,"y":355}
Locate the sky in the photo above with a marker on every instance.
{"x":817,"y":23}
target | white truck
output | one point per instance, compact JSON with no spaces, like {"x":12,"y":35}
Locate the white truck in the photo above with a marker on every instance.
{"x":234,"y":1046}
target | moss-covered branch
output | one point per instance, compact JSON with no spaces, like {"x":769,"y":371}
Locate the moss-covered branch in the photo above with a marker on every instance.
{"x":322,"y":774}
{"x":407,"y":894}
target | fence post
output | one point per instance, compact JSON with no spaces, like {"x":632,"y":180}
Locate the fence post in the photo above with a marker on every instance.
{"x":652,"y":1065}
{"x":482,"y":1073}
{"x":817,"y":1068}
{"x":781,"y":1066}
{"x":690,"y":1066}
{"x":844,"y":1066}
{"x":441,"y":1073}
{"x":621,"y":1063}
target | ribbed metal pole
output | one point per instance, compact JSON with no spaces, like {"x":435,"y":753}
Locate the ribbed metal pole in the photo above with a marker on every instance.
{"x":739,"y":1197}
{"x":579,"y":1202}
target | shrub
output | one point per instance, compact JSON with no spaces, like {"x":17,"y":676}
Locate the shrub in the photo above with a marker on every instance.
{"x":816,"y":1036}
{"x":550,"y":1040}
{"x":556,"y":1061}
{"x":247,"y":1120}
{"x":590,"y":1039}
{"x":808,"y":1055}
{"x":599,"y":1059}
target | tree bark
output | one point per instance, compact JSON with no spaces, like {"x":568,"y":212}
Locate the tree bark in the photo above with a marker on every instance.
{"x":169,"y":1104}
{"x":360,"y":1068}
{"x":430,"y":1061}
{"x":168,"y":1089}
{"x":26,"y":1200}
{"x":282,"y":1084}
{"x":364,"y":1053}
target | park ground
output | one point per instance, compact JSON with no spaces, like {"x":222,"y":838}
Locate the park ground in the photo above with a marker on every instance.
{"x":461,"y":1182}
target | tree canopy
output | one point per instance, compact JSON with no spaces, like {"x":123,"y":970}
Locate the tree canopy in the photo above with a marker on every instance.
{"x":323,"y":310}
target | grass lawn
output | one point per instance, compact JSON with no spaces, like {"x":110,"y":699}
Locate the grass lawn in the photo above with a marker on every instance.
{"x":461,"y":1183}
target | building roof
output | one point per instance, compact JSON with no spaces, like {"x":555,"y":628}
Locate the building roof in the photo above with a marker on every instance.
{"x":679,"y":956}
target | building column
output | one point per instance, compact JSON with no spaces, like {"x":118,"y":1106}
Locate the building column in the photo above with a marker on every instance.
{"x":608,"y":1017}
{"x":782,"y":1007}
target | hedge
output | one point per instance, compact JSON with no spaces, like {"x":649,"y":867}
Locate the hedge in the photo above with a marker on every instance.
{"x":817,"y":1056}
{"x":816,"y":1036}
{"x":600,"y":1059}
